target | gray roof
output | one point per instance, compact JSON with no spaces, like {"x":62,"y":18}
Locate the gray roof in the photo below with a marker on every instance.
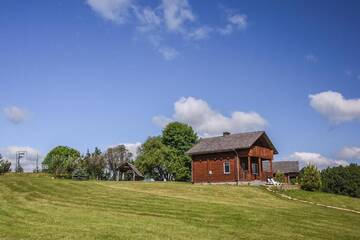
{"x":284,"y":166}
{"x":229,"y":143}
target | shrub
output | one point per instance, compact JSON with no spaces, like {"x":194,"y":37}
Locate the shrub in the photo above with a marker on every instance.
{"x":279,"y":177}
{"x":293,"y":181}
{"x":5,"y":165}
{"x":342,"y":180}
{"x":311,"y":180}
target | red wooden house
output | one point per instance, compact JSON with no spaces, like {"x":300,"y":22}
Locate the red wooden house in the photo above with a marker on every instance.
{"x":232,"y":158}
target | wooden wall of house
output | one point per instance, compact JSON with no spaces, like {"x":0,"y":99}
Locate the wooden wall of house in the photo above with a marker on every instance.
{"x":264,"y":153}
{"x":202,"y":164}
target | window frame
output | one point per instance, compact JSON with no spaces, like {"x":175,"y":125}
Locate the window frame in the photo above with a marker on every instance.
{"x":227,"y":162}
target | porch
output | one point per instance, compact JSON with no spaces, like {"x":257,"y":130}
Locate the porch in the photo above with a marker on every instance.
{"x":251,"y":163}
{"x":252,"y":168}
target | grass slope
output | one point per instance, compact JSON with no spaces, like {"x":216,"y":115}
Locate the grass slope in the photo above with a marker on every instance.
{"x":326,"y":198}
{"x":43,"y":208}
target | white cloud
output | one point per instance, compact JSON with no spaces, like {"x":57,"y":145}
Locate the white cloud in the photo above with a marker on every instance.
{"x":200,"y":33}
{"x":176,"y":13}
{"x":239,"y":20}
{"x":317,"y":159}
{"x":28,"y":163}
{"x":148,"y":18}
{"x":161,"y":121}
{"x":113,"y":10}
{"x":235,"y":21}
{"x":15,"y":114}
{"x":156,"y":24}
{"x":335,"y":107}
{"x":168,"y":53}
{"x":208,"y":122}
{"x":311,"y":58}
{"x":228,"y":29}
{"x":350,"y":153}
{"x":132,"y":147}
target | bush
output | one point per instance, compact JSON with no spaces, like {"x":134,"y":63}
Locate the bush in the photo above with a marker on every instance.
{"x":342,"y":180}
{"x":5,"y":165}
{"x":279,"y":177}
{"x":293,"y":181}
{"x":80,"y":174}
{"x":311,"y":180}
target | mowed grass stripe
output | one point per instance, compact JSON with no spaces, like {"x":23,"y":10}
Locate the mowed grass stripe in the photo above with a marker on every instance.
{"x":45,"y":208}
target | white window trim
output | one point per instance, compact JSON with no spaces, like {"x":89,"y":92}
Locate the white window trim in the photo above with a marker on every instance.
{"x":225,"y":167}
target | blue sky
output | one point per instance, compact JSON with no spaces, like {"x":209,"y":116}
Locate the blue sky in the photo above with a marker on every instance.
{"x":99,"y":73}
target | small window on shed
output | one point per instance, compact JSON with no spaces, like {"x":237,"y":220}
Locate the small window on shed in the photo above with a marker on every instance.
{"x":226,"y":167}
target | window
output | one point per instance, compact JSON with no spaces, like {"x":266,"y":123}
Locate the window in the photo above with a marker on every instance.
{"x":227,"y":167}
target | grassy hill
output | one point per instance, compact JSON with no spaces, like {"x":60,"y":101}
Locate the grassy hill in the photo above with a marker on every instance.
{"x":43,"y":208}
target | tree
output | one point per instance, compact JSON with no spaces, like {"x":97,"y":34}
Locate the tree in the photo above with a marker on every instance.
{"x":180,"y":137}
{"x":115,"y":157}
{"x":156,"y":160}
{"x":61,"y":161}
{"x":311,"y":180}
{"x":342,"y":180}
{"x":94,"y":164}
{"x":5,"y":165}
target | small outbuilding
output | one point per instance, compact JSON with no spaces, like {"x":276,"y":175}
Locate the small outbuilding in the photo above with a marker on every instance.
{"x":290,"y":169}
{"x":128,"y":172}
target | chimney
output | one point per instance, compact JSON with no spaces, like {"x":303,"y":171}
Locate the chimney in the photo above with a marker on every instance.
{"x":226,"y":134}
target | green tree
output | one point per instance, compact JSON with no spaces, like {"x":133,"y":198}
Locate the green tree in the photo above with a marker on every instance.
{"x":94,"y":164}
{"x":115,"y":157}
{"x":180,"y":137}
{"x":5,"y":165}
{"x":342,"y":180}
{"x":311,"y":179}
{"x":156,"y":160}
{"x":61,"y":161}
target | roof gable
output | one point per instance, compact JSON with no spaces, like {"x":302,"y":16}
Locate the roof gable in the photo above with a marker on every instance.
{"x":231,"y":142}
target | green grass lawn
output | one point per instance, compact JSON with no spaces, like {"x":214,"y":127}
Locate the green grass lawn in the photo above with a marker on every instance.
{"x":326,"y":198}
{"x":44,"y":208}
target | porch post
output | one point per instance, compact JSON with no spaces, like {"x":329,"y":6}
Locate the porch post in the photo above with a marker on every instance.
{"x":237,"y":167}
{"x":260,"y":168}
{"x":207,"y":166}
{"x":249,"y":168}
{"x":271,"y":170}
{"x":192,"y":170}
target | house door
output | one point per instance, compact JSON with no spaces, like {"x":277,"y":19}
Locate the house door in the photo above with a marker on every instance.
{"x":255,"y":170}
{"x":244,"y":169}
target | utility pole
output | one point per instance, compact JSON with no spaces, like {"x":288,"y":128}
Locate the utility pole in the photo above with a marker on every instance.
{"x":19,"y":156}
{"x":37,"y":162}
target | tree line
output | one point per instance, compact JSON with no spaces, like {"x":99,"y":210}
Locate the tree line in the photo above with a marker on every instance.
{"x":67,"y":162}
{"x":339,"y":180}
{"x":160,"y":157}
